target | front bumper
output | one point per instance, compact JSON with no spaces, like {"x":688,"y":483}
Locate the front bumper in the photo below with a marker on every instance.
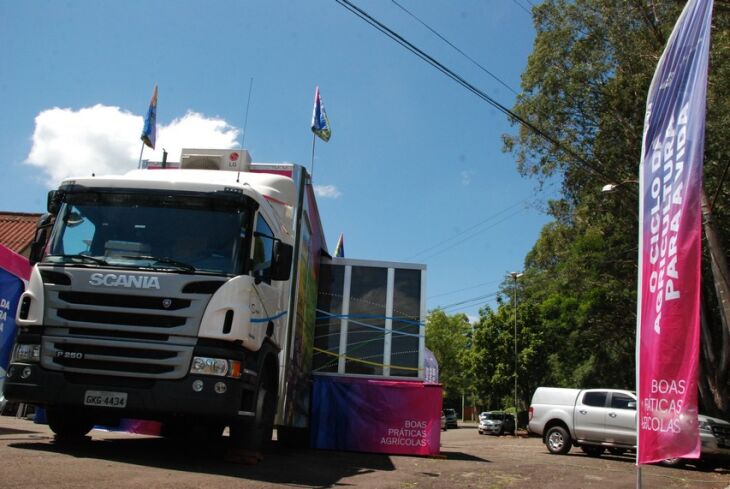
{"x":490,"y":428}
{"x":145,"y":399}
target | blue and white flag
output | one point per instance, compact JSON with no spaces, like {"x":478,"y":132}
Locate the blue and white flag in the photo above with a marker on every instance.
{"x":340,"y":247}
{"x":149,"y":133}
{"x":320,"y":122}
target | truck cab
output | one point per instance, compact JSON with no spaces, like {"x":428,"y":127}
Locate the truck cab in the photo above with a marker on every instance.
{"x":160,"y":294}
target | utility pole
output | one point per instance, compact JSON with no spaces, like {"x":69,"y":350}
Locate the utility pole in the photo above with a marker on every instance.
{"x":515,"y":276}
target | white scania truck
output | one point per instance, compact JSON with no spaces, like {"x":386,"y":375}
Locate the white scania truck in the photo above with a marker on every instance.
{"x":175,"y":295}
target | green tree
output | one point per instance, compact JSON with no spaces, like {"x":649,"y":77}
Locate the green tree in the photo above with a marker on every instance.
{"x":586,"y":84}
{"x":448,"y":337}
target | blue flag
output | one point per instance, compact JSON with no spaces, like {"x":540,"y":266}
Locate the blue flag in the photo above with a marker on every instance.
{"x":320,"y":122}
{"x":340,"y":247}
{"x":149,"y":133}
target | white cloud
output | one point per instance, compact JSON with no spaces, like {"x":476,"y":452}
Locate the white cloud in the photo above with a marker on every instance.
{"x":105,"y":140}
{"x":327,"y":191}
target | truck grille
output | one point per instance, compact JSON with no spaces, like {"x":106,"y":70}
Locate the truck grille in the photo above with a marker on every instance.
{"x":132,"y":333}
{"x":121,"y":318}
{"x":124,"y":301}
{"x":115,"y":357}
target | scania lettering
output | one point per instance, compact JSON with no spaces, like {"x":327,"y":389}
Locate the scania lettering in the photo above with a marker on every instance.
{"x":135,"y":281}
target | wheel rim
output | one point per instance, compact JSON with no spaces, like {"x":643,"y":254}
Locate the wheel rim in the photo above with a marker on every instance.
{"x":556,"y":440}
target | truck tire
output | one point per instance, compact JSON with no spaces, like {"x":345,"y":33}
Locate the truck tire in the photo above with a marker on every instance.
{"x":252,"y":435}
{"x":67,"y":424}
{"x":672,"y":462}
{"x":557,"y":440}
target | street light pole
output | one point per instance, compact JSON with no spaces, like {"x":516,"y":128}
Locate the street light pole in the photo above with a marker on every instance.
{"x":515,"y":276}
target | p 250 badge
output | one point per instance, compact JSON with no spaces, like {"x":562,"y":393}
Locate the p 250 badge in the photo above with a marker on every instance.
{"x":73,"y":355}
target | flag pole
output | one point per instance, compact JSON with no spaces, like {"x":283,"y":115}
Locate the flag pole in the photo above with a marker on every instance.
{"x":141,"y":150}
{"x":311,"y":173}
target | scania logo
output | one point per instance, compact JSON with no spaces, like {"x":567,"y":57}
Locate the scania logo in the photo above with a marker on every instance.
{"x":166,"y":303}
{"x":121,"y":280}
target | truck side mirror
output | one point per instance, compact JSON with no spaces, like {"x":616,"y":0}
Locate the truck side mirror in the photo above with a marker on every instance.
{"x":40,"y":238}
{"x":281,"y":261}
{"x":53,"y":202}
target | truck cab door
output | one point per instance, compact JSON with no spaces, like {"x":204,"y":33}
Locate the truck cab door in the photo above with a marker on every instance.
{"x":267,"y":303}
{"x":621,"y":419}
{"x":590,"y":414}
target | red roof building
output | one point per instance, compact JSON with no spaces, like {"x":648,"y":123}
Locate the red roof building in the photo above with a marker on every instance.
{"x":17,"y":230}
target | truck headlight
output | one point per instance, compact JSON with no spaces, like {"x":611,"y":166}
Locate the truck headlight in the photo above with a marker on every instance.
{"x":26,"y":353}
{"x":218,"y":367}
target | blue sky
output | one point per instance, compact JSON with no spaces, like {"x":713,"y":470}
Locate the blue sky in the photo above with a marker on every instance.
{"x":413,"y":172}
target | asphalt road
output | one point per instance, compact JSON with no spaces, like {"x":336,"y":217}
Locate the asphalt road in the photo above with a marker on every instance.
{"x":30,"y":458}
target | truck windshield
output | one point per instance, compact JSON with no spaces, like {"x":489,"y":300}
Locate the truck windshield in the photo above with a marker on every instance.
{"x":183,"y":233}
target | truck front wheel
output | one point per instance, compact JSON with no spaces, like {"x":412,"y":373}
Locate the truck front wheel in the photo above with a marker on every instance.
{"x":67,"y":424}
{"x":557,"y":440}
{"x":252,"y":435}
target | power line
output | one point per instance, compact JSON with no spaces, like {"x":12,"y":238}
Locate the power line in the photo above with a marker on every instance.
{"x":522,"y":6}
{"x":465,"y":84}
{"x":456,"y":48}
{"x":465,"y":288}
{"x":469,"y":302}
{"x":492,"y":216}
{"x":444,"y":250}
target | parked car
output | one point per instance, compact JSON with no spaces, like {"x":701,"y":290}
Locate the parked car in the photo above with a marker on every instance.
{"x":443,"y":421}
{"x":600,"y":419}
{"x":452,"y":421}
{"x":496,"y":423}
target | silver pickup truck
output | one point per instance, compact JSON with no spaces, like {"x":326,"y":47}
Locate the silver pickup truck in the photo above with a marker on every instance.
{"x":597,"y":420}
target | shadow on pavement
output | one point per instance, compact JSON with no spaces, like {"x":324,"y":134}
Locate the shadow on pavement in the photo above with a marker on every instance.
{"x":13,"y":431}
{"x":461,"y":456}
{"x":309,"y":467}
{"x":719,"y":466}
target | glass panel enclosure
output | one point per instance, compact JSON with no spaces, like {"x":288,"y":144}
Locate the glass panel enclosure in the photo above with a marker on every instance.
{"x":327,"y":327}
{"x":406,"y":321}
{"x":366,"y":324}
{"x":369,"y":319}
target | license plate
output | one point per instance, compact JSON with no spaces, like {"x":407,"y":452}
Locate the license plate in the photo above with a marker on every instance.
{"x":105,"y":399}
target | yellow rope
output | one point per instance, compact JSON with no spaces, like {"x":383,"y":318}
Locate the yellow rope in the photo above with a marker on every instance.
{"x":353,"y":359}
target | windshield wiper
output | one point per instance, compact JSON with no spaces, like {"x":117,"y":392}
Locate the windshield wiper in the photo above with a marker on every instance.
{"x":167,"y":261}
{"x":93,"y":259}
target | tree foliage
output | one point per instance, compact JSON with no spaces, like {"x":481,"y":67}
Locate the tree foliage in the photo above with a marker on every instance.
{"x":586,"y":84}
{"x":448,"y":337}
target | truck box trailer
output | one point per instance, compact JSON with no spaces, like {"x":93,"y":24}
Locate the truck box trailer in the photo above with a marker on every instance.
{"x":186,"y":294}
